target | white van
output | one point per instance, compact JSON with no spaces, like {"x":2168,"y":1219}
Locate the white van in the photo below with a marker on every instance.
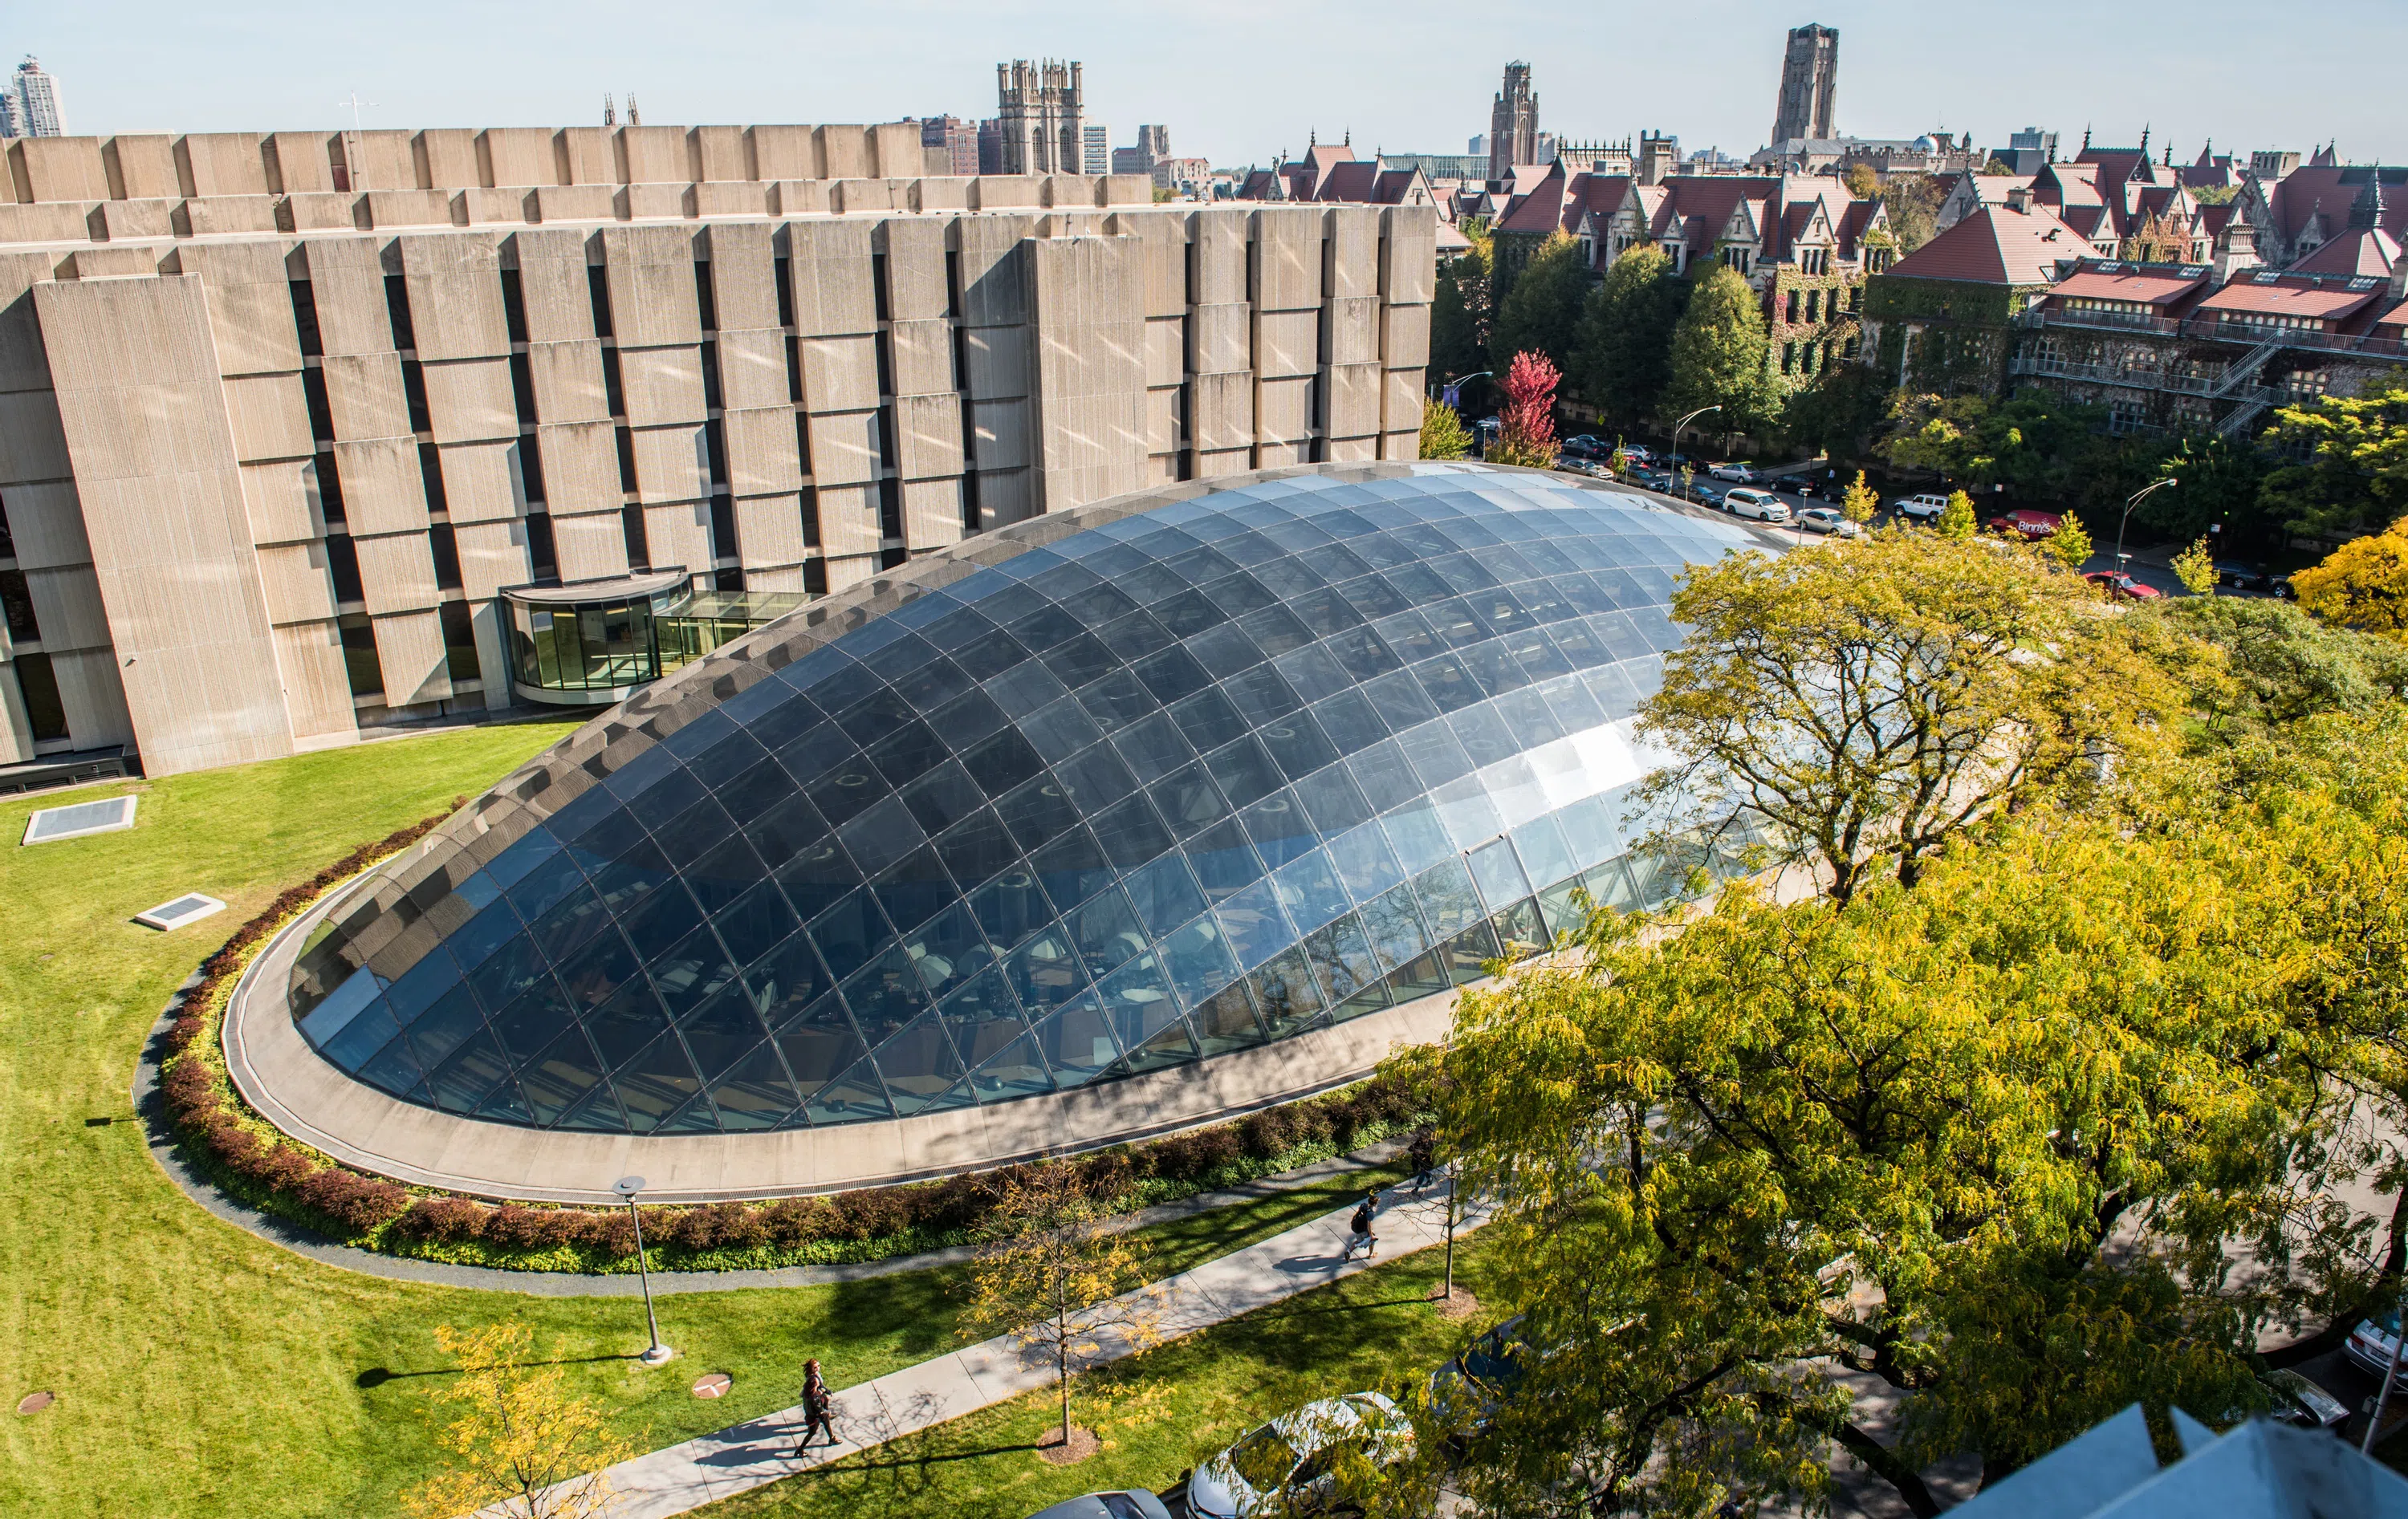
{"x":1921,"y":508}
{"x":1745,"y":501}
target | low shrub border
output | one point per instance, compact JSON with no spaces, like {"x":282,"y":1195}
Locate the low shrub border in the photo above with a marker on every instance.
{"x":250,"y":1158}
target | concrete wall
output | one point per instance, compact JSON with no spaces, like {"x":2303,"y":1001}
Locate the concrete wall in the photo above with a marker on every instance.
{"x":788,"y":404}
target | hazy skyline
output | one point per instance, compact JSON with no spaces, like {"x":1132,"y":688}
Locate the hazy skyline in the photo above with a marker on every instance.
{"x":1240,"y":81}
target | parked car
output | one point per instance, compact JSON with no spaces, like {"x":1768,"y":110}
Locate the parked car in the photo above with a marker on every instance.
{"x":2300,"y":1403}
{"x":1706,"y":494}
{"x":2369,"y":1345}
{"x":1288,"y":1464}
{"x":1747,"y":501}
{"x":1827,"y":520}
{"x":1734,"y":471}
{"x":1133,"y":1503}
{"x":1574,"y":465}
{"x":1636,"y":453}
{"x":1584,"y":446}
{"x":1654,"y":480}
{"x":1466,"y":1391}
{"x":2119,"y":585}
{"x":2280,"y":586}
{"x":2023,"y":522}
{"x":1925,"y":507}
{"x":2240,"y":575}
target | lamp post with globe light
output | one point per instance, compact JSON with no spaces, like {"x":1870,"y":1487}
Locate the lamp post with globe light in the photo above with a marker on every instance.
{"x":626,"y":1187}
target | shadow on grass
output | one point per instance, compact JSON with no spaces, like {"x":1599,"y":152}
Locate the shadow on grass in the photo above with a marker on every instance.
{"x":377,"y":1376}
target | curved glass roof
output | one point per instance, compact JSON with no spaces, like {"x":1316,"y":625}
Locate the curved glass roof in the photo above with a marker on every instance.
{"x":1196,"y":777}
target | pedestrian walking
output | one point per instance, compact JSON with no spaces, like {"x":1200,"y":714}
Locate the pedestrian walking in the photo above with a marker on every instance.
{"x":818,"y":1407}
{"x":1422,"y":1155}
{"x":1360,"y":1226}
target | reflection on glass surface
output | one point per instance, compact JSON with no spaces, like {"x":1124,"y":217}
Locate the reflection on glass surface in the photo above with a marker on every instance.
{"x":1215,"y":773}
{"x":594,"y":639}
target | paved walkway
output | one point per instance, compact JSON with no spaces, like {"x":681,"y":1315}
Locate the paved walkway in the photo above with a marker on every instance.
{"x":686,"y":1476}
{"x":166,"y":1149}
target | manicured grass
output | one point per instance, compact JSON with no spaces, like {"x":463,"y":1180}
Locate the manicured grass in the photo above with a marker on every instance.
{"x":1158,"y":1415}
{"x":202,"y":1372}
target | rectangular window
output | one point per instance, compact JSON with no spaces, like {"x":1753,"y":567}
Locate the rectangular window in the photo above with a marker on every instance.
{"x":794,"y":369}
{"x":321,"y":414}
{"x":627,"y":461}
{"x":890,"y":508}
{"x":614,"y":389}
{"x":322,"y":476}
{"x":513,"y":307}
{"x":631,"y":528}
{"x":446,"y":551}
{"x":39,"y":686}
{"x":961,"y":359}
{"x":803,"y":440}
{"x":815,"y":577}
{"x":728,"y":578}
{"x":459,"y":640}
{"x":953,"y":285}
{"x":17,"y":607}
{"x":305,"y":319}
{"x":705,"y":303}
{"x":530,"y":462}
{"x":360,"y":657}
{"x":1790,"y":307}
{"x":597,"y":287}
{"x":884,"y":422}
{"x":722,"y":529}
{"x":430,"y":475}
{"x":810,"y":509}
{"x":1788,"y":358}
{"x":540,"y":552}
{"x":782,"y":269}
{"x":343,"y":568}
{"x":878,"y":287}
{"x":884,"y":345}
{"x":523,"y":388}
{"x":396,"y":311}
{"x":710,"y":397}
{"x":715,"y":443}
{"x":413,"y":391}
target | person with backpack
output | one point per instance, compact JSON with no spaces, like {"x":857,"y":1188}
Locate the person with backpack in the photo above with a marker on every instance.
{"x":1421,"y":1155}
{"x":818,"y":1408}
{"x":1360,"y":1226}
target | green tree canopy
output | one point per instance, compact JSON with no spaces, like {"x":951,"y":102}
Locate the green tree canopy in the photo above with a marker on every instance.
{"x":1459,"y":313}
{"x":2283,"y":667}
{"x":1718,"y":352}
{"x":1443,"y":436}
{"x":1913,"y":201}
{"x":1855,"y":706}
{"x":1838,"y":412}
{"x":2356,"y":478}
{"x":2221,"y":486}
{"x":1542,"y":309}
{"x":1622,"y":351}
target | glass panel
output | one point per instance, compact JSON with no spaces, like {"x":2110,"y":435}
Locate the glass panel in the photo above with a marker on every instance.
{"x":1342,"y":957}
{"x":947,"y":950}
{"x":755,"y":1094}
{"x":1561,"y":914}
{"x":1189,"y":801}
{"x":626,"y":1023}
{"x":1227,"y":1021}
{"x":1279,"y":828}
{"x":919,"y":1065}
{"x":914,"y":890}
{"x":720,"y":1030}
{"x":982,"y":1018}
{"x":369,"y":1030}
{"x":819,"y":1044}
{"x":1094,"y":779}
{"x":691,"y":972}
{"x":1045,"y":972}
{"x":1261,"y":694}
{"x":1145,"y":1017}
{"x":1106,"y":934}
{"x":884,"y":995}
{"x":1285,"y":992}
{"x":1011,"y":908}
{"x":1061,"y":730}
{"x":1077,"y":1042}
{"x":1244,"y":771}
{"x":1208,"y":720}
{"x":1165,"y":893}
{"x":1394,"y":924}
{"x":1072,"y":868}
{"x":528,"y":1025}
{"x":1364,"y":865}
{"x":1258,"y":926}
{"x":1310,"y":890}
{"x":554,"y":1080}
{"x":1223,"y":861}
{"x":818,"y":877}
{"x":445,"y":1026}
{"x":461,"y":1083}
{"x":1518,"y":927}
{"x":852,"y":1097}
{"x":1333,"y":801}
{"x":1130,"y":833}
{"x":1198,"y":961}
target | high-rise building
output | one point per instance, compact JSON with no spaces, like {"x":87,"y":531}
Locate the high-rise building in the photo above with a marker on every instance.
{"x":1810,"y":78}
{"x":958,"y":137}
{"x":1513,"y":124}
{"x":37,"y":98}
{"x":990,"y":146}
{"x":1097,"y":150}
{"x":1043,"y":112}
{"x":8,"y":112}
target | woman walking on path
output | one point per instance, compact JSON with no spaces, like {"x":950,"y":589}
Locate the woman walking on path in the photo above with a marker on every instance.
{"x":817,"y":1407}
{"x":1360,"y":1226}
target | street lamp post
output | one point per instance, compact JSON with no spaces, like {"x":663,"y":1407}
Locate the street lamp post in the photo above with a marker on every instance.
{"x":626,"y":1187}
{"x":1686,"y":421}
{"x":2138,"y":497}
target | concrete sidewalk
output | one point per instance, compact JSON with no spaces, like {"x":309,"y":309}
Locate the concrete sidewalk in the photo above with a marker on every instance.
{"x":712,"y":1467}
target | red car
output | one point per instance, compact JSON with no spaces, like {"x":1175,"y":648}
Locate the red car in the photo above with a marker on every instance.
{"x":2027,"y":523}
{"x":2118,"y":584}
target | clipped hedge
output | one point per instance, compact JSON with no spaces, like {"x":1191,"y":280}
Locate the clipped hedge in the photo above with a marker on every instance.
{"x":246,"y":1155}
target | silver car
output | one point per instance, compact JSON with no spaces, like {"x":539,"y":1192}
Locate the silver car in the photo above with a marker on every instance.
{"x":1289,"y":1465}
{"x":1137,"y":1503}
{"x":1825,"y":519}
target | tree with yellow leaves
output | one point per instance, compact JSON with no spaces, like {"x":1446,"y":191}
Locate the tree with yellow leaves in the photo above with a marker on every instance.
{"x":1860,"y":502}
{"x":2362,"y":585}
{"x":2195,"y":566}
{"x":2070,"y":545}
{"x":1063,"y":1281}
{"x":1956,"y":518}
{"x":522,"y":1446}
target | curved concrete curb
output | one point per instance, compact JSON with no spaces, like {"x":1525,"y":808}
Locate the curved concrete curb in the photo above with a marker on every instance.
{"x":167,"y":1150}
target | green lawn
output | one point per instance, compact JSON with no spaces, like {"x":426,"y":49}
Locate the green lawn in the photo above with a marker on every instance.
{"x":1158,"y":1415}
{"x":202,"y":1372}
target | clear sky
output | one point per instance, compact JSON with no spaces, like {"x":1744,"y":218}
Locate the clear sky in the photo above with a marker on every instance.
{"x":1238,"y":81}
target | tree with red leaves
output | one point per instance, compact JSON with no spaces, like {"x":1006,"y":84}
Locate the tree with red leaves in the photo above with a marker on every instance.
{"x":1526,"y":434}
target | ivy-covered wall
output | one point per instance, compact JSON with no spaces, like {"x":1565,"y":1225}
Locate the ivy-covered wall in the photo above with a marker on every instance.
{"x":1943,"y":336}
{"x":1831,"y":330}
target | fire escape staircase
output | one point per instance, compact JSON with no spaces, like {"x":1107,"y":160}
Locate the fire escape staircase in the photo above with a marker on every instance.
{"x":2253,"y":401}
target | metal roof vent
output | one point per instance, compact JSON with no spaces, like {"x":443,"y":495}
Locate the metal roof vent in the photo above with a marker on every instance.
{"x":51,"y":824}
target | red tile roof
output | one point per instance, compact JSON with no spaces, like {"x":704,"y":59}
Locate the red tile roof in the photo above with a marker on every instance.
{"x":2329,"y":300}
{"x":2148,"y":284}
{"x":2371,"y":252}
{"x":1996,"y":246}
{"x":2327,"y":189}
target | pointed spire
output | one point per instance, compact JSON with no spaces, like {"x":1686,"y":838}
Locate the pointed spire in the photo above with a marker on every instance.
{"x":2366,"y":212}
{"x":633,"y":118}
{"x":2085,"y":136}
{"x":2144,"y":141}
{"x":609,"y":110}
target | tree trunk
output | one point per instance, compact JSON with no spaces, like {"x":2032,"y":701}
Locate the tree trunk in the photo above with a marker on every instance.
{"x":1884,"y":1463}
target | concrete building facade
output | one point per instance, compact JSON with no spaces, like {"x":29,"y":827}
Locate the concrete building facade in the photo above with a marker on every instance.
{"x":271,"y":452}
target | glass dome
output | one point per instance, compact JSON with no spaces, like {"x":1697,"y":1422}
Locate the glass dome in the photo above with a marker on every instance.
{"x":1195,"y":779}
